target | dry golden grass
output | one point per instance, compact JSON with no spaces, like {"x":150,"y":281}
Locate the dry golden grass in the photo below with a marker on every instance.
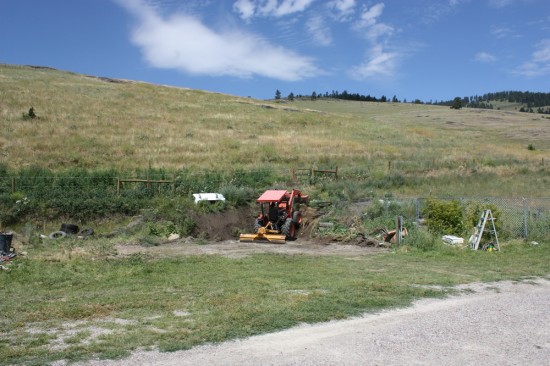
{"x":95,"y":123}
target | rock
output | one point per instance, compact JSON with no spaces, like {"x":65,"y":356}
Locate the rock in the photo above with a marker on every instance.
{"x":173,"y":236}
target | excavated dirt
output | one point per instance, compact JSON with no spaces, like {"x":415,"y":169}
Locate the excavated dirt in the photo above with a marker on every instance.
{"x":218,"y":233}
{"x":227,"y":225}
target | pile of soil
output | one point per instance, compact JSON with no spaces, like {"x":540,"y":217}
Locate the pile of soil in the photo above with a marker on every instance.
{"x":229,"y":224}
{"x":226,"y":225}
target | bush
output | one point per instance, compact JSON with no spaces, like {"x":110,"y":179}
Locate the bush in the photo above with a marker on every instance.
{"x":30,"y":114}
{"x":238,"y":196}
{"x":473,"y":214}
{"x":444,"y":217}
{"x":162,"y":228}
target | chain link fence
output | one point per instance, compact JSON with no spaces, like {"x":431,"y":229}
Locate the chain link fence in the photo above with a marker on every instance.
{"x":519,"y":217}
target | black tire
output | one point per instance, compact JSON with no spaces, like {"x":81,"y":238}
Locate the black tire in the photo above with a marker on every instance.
{"x":289,"y":230}
{"x":57,"y":235}
{"x":296,"y":217}
{"x":69,"y":228}
{"x":86,"y":232}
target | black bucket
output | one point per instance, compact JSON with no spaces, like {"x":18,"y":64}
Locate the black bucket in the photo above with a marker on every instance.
{"x":5,"y":242}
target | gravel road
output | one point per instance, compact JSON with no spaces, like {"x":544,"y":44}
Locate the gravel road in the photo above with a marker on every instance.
{"x":503,"y":323}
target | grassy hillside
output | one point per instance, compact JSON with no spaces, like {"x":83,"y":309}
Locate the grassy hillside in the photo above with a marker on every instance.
{"x":97,"y":123}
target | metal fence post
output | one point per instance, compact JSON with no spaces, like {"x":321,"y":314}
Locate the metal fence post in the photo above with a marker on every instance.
{"x":524,"y":218}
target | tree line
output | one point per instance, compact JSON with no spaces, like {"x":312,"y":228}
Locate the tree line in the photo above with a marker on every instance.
{"x":345,"y":95}
{"x":531,"y":101}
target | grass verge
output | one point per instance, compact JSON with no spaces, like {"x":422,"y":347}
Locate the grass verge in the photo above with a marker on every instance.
{"x":77,"y":309}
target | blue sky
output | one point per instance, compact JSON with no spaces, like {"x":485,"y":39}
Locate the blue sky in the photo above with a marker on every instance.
{"x":425,"y":49}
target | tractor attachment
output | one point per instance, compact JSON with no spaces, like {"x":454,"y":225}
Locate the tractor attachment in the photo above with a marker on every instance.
{"x":264,"y":235}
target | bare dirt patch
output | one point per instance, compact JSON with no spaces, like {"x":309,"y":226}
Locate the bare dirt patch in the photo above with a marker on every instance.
{"x":236,"y":249}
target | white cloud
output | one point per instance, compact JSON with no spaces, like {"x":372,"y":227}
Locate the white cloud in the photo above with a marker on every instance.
{"x":184,"y":43}
{"x":246,"y":8}
{"x":276,"y":8}
{"x":539,"y":65}
{"x":532,"y":69}
{"x":316,"y":27}
{"x":484,"y":57}
{"x":504,"y":32}
{"x":369,"y":26}
{"x":368,"y":17}
{"x":542,"y":54}
{"x":343,"y":8}
{"x":378,"y":31}
{"x":378,"y":63}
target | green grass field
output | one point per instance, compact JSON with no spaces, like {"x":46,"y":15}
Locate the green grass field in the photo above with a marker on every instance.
{"x":78,"y":309}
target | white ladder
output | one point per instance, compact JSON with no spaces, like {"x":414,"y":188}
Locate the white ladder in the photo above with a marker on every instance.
{"x":475,"y":239}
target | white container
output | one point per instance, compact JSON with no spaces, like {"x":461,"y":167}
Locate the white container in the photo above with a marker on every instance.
{"x":452,"y":240}
{"x":210,"y":197}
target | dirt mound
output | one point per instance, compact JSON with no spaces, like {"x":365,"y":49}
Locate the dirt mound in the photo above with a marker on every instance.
{"x":226,"y":225}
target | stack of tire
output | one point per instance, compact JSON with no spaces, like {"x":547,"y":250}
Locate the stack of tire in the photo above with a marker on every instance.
{"x":70,"y":229}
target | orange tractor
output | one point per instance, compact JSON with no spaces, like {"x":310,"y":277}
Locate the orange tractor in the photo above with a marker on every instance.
{"x":280,"y":217}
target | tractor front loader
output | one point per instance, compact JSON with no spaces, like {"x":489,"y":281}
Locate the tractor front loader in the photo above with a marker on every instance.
{"x":279,"y":219}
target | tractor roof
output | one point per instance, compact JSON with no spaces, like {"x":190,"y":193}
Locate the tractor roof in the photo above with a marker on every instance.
{"x":272,"y":196}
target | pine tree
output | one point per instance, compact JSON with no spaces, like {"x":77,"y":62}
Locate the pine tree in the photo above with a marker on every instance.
{"x":457,"y":103}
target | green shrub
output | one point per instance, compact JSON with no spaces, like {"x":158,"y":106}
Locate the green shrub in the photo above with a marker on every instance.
{"x":186,"y":226}
{"x":444,"y":217}
{"x":238,"y":196}
{"x":30,"y":114}
{"x":473,"y":214}
{"x":421,"y":239}
{"x":162,"y":228}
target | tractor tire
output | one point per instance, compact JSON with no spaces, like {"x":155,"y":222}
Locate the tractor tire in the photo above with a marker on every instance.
{"x":289,"y":230}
